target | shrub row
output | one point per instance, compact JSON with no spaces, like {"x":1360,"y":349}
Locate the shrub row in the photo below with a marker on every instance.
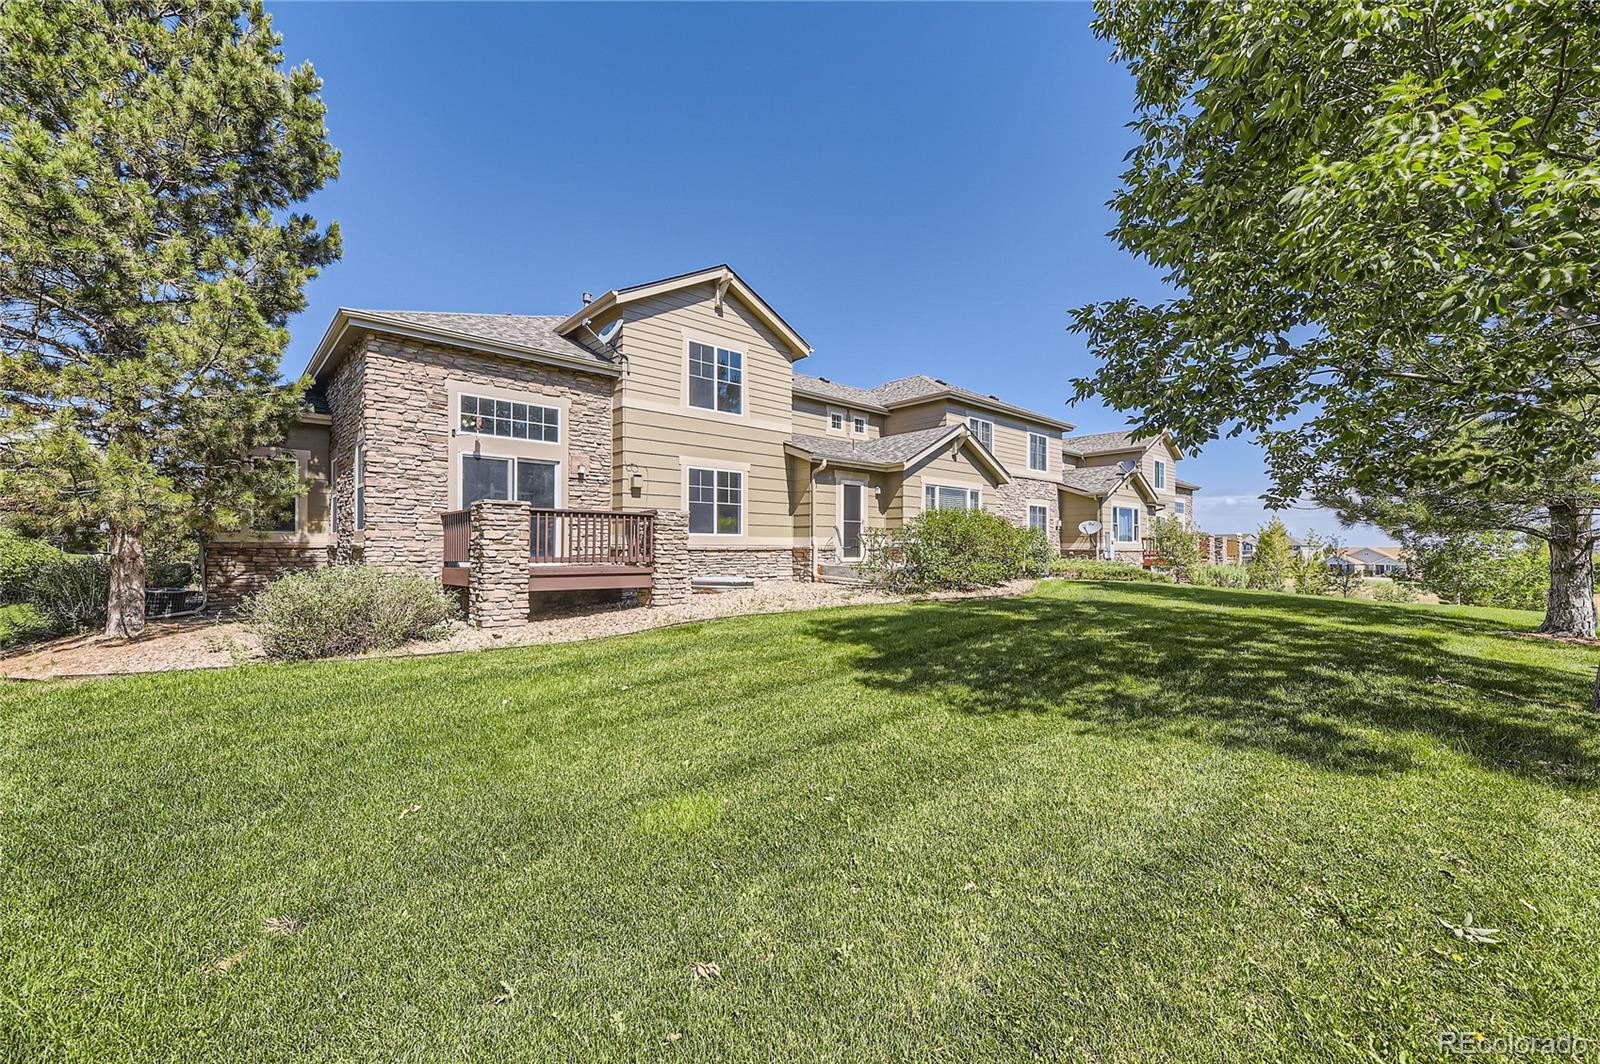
{"x":1101,"y":569}
{"x":954,"y":550}
{"x":20,"y":559}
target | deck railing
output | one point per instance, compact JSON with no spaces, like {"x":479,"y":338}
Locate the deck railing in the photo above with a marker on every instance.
{"x":457,"y":537}
{"x":592,"y":537}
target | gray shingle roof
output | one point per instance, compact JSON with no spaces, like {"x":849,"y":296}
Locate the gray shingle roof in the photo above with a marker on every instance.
{"x":885,"y":450}
{"x":1184,"y":485}
{"x":920,"y":387}
{"x":1100,"y":442}
{"x":532,"y":331}
{"x":1097,"y":480}
{"x":822,"y":388}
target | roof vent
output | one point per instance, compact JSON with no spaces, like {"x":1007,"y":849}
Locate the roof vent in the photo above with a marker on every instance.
{"x":588,"y":297}
{"x":936,"y":380}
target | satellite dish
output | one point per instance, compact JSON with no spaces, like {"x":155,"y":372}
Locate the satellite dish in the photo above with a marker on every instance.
{"x":1089,"y":528}
{"x":609,"y":332}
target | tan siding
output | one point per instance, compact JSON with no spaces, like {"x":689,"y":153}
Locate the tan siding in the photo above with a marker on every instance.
{"x":1075,"y":509}
{"x":916,"y":418}
{"x":811,"y":418}
{"x":312,"y":441}
{"x":941,"y":468}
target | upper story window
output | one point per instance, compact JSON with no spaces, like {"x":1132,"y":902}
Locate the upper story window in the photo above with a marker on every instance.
{"x":1038,"y":452}
{"x":982,"y":429}
{"x":1161,"y":474}
{"x":716,"y":378}
{"x":836,"y":421}
{"x":503,"y":417}
{"x":858,"y":424}
{"x":1180,"y":507}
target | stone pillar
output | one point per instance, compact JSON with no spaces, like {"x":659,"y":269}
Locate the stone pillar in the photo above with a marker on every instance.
{"x":804,"y":571}
{"x":497,"y":585}
{"x":670,"y":583}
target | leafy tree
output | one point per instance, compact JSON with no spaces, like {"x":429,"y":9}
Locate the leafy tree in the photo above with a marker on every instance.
{"x":1380,"y":222}
{"x":1272,"y":562}
{"x":1178,"y":545}
{"x":1309,"y":567}
{"x":149,"y":155}
{"x":1480,"y":568}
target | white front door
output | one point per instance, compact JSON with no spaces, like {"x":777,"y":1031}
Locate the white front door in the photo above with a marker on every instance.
{"x":850,"y":520}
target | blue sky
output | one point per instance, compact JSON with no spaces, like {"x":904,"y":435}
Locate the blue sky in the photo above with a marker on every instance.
{"x":917,"y":188}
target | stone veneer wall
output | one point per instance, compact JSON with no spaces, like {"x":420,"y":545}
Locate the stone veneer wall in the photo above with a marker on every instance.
{"x":394,"y":393}
{"x":236,"y":570}
{"x":497,"y":589}
{"x":1011,"y":501}
{"x":669,"y":584}
{"x":803,"y":570}
{"x":761,"y":564}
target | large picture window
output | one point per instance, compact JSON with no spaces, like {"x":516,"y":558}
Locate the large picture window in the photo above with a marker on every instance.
{"x":1125,"y":522}
{"x":716,"y":378}
{"x":1038,"y":452}
{"x":945,"y":497}
{"x":488,"y":477}
{"x":716,"y":502}
{"x":483,"y":416}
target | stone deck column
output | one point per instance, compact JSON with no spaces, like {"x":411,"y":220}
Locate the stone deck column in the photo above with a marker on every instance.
{"x":670,"y":583}
{"x":497,"y":585}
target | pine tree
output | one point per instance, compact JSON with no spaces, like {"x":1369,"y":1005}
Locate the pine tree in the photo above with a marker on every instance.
{"x":149,"y":262}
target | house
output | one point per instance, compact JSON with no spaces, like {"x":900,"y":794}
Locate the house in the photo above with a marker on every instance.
{"x":1229,"y":548}
{"x":1369,"y":561}
{"x":654,"y":438}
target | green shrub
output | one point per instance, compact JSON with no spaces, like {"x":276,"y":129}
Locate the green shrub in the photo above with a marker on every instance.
{"x":954,"y":550}
{"x":20,"y":624}
{"x":20,"y":559}
{"x":1176,"y":546}
{"x":1101,"y":569}
{"x":1221,"y":575}
{"x":1390,"y":591}
{"x":70,"y":592}
{"x":346,"y":609}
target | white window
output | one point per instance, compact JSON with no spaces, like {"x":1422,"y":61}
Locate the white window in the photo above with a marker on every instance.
{"x":1161,"y":474}
{"x":944,"y":497}
{"x":836,"y":421}
{"x":1039,"y":518}
{"x":483,"y":416}
{"x":1125,"y":523}
{"x":858,"y":424}
{"x":1038,"y":452}
{"x":716,"y":502}
{"x":982,"y":429}
{"x":1247,"y":549}
{"x":1180,"y":507}
{"x":486,"y":476}
{"x":716,"y":378}
{"x":361,"y":486}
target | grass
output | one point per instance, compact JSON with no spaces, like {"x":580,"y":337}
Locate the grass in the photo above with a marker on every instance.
{"x":21,"y":624}
{"x":1104,"y":821}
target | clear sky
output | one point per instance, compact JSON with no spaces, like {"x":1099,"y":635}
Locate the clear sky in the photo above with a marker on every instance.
{"x":916,"y":188}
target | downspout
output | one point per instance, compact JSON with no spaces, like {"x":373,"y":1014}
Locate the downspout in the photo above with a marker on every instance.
{"x":811,"y":511}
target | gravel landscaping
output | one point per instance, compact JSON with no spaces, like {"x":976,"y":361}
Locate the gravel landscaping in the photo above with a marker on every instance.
{"x":216,"y":643}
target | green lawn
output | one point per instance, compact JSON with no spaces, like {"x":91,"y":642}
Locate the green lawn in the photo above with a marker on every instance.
{"x":1110,"y":822}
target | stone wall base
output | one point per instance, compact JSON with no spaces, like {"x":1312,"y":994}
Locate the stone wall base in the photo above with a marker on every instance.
{"x":234,"y":571}
{"x":803,"y":570}
{"x":762,"y":564}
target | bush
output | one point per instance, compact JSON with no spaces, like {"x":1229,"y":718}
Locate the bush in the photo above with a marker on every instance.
{"x":21,"y":624}
{"x":70,"y":592}
{"x":21,"y":559}
{"x":1221,"y":575}
{"x":954,"y":550}
{"x":346,"y":609}
{"x":1100,"y":569}
{"x":1390,"y":591}
{"x":1177,"y":547}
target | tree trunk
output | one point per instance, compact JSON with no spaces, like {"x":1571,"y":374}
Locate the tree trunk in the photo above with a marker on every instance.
{"x":125,"y":604}
{"x":1569,"y":611}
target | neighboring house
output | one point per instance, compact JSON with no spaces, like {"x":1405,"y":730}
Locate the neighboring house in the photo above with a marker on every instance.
{"x":1370,"y":561}
{"x":1229,"y":548}
{"x":658,"y":434}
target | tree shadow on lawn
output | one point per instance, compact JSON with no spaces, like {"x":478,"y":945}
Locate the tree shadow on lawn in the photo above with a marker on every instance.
{"x":1338,"y":685}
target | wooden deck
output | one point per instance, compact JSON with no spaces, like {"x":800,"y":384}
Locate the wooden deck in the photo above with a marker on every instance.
{"x":569,"y":550}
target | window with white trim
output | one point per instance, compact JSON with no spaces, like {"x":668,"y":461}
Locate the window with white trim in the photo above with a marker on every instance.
{"x":836,"y":421}
{"x":1038,"y":452}
{"x":361,"y":487}
{"x":1039,"y":518}
{"x":716,"y":378}
{"x":1161,"y":474}
{"x":983,"y":430}
{"x":1125,"y":523}
{"x":946,"y":497}
{"x":858,"y":424}
{"x":716,"y":502}
{"x":483,"y":416}
{"x":1180,"y":507}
